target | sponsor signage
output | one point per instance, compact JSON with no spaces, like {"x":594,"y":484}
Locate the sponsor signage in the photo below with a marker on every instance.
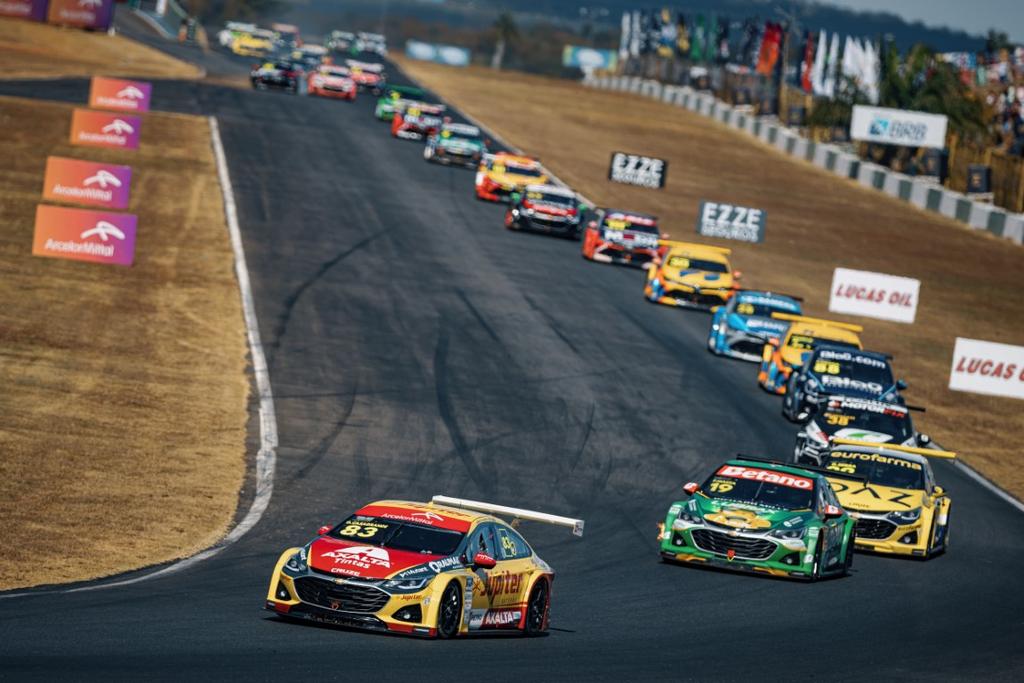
{"x":874,"y":295}
{"x":87,"y":182}
{"x":84,"y":235}
{"x":94,"y":14}
{"x":898,"y":127}
{"x":768,"y":476}
{"x":442,"y":54}
{"x":120,"y":95}
{"x":634,"y":169}
{"x":24,"y":9}
{"x":103,"y":129}
{"x":588,"y":59}
{"x":731,"y":222}
{"x":982,"y":367}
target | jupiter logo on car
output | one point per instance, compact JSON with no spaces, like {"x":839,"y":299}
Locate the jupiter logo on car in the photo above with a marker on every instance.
{"x":101,"y":129}
{"x":87,"y":182}
{"x":114,"y":93}
{"x":83,"y":235}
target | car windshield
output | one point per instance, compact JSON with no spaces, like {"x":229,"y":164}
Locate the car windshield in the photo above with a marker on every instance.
{"x":687,"y":263}
{"x":548,"y":198}
{"x":876,"y":468}
{"x":839,"y":371}
{"x":623,"y":224}
{"x":528,"y":171}
{"x":398,"y":535}
{"x":458,"y":135}
{"x":758,"y":486}
{"x":763,"y":308}
{"x":892,"y":422}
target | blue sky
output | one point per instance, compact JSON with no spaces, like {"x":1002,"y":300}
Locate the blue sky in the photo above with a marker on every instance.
{"x":973,"y":16}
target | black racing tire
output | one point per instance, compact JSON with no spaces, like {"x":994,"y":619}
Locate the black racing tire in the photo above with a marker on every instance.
{"x":848,"y":559}
{"x":819,"y":557}
{"x":449,"y":611}
{"x":537,"y":607}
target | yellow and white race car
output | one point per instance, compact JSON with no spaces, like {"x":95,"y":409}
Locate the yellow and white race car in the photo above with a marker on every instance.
{"x":257,"y":43}
{"x":781,"y":356}
{"x":440,"y":569}
{"x":691,"y":275}
{"x":891,"y":491}
{"x":501,"y":174}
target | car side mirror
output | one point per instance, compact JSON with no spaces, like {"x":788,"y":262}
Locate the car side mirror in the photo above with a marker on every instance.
{"x":773,"y":341}
{"x":484,"y":561}
{"x":323,"y":530}
{"x":938,"y":491}
{"x":923,"y":439}
{"x":901,"y":384}
{"x":833,"y":512}
{"x":691,"y":487}
{"x":715,"y":309}
{"x":665,"y":236}
{"x":737,"y":274}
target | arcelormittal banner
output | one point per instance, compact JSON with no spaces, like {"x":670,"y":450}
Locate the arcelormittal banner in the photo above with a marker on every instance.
{"x":87,"y":182}
{"x":24,"y":9}
{"x":103,"y":129}
{"x":83,"y":235}
{"x":120,"y":95}
{"x":94,"y":14}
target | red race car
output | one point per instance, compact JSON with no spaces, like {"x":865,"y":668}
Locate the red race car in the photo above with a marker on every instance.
{"x":419,"y":121}
{"x":332,"y":81}
{"x":623,"y":237}
{"x":367,"y":75}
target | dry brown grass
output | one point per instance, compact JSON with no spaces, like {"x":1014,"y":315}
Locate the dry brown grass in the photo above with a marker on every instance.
{"x":816,"y":221}
{"x":32,"y":50}
{"x":124,"y":390}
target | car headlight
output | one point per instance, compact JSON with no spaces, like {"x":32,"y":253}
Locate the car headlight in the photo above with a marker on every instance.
{"x":688,"y":518}
{"x":905,"y":516}
{"x":407,"y":585}
{"x":297,"y":562}
{"x":789,"y":534}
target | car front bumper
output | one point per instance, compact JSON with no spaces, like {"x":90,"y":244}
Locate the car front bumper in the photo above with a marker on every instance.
{"x":787,"y":558}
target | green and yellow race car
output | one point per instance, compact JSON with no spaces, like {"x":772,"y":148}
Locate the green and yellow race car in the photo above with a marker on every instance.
{"x":394,"y":99}
{"x":761,"y":516}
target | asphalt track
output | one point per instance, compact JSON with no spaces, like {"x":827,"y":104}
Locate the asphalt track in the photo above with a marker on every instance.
{"x":417,"y":348}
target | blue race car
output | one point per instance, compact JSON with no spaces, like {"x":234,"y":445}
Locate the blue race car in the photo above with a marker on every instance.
{"x":830,"y":371}
{"x":741,"y":327}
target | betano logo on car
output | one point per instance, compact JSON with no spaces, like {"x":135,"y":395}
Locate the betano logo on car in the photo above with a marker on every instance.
{"x":767,"y":476}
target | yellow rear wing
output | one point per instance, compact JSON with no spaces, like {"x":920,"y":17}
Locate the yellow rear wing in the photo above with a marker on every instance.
{"x":927,"y":452}
{"x":821,"y":321}
{"x":697,"y":245}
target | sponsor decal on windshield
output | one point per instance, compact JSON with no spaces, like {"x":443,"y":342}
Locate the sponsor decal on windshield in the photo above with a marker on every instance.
{"x":766,"y":476}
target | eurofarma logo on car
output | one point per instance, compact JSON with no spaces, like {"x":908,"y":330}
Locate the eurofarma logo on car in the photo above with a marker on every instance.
{"x":87,"y":182}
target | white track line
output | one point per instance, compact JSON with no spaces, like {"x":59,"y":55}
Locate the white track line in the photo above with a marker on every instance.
{"x":266,"y":458}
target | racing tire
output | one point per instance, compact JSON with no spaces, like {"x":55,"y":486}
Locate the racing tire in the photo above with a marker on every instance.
{"x":449,"y":611}
{"x":931,"y":550}
{"x":537,"y":609}
{"x":819,"y":556}
{"x":848,"y":559}
{"x":428,"y":153}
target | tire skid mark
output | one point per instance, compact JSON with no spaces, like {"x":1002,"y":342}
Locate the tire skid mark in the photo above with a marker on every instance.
{"x":447,"y":412}
{"x":479,"y":318}
{"x":323,"y":447}
{"x":551,"y":323}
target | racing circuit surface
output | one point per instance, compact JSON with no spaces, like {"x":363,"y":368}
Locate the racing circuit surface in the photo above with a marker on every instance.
{"x":418,"y":348}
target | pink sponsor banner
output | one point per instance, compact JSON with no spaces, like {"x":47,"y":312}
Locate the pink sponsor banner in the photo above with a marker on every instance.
{"x":94,"y":14}
{"x":87,"y":182}
{"x":24,"y":9}
{"x":120,"y":95}
{"x":84,"y":235}
{"x":103,"y":129}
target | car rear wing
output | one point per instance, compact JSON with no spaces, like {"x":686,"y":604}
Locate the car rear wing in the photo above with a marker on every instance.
{"x":879,"y":447}
{"x":676,"y":243}
{"x":821,"y":321}
{"x":515,"y":513}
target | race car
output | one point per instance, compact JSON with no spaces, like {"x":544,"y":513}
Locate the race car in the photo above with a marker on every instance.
{"x":456,"y":143}
{"x":545,"y":208}
{"x":691,"y":275}
{"x":233,"y":30}
{"x":310,"y":56}
{"x":761,"y":516}
{"x":373,"y":42}
{"x":367,"y":75}
{"x":891,"y":491}
{"x":255,"y":43}
{"x":780,"y":356}
{"x":341,"y":41}
{"x":625,"y":237}
{"x":287,"y":35}
{"x":279,"y":74}
{"x":501,"y":174}
{"x":440,"y":569}
{"x":830,"y":370}
{"x":418,"y":121}
{"x":394,"y":100}
{"x":846,"y":417}
{"x":742,"y":327}
{"x":332,"y":81}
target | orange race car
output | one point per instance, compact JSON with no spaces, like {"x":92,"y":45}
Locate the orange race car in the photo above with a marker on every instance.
{"x":329,"y":80}
{"x":625,"y":237}
{"x":782,"y":356}
{"x":502,"y":174}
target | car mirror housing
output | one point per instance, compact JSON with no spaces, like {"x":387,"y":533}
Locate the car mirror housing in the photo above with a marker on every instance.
{"x":484,"y":561}
{"x":691,"y":487}
{"x":833,"y":512}
{"x":323,"y":530}
{"x":938,"y":491}
{"x":901,"y":384}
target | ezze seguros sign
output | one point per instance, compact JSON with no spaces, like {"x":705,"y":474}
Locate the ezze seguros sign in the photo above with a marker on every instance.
{"x":634,"y":169}
{"x":731,"y":222}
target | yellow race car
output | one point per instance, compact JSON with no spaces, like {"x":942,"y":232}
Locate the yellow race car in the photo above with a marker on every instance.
{"x":502,"y":174}
{"x":780,"y":357}
{"x":252,"y":45}
{"x":691,"y":275}
{"x":891,"y":491}
{"x":440,"y":569}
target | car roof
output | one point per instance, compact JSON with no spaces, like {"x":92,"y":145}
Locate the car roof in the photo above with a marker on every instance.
{"x":516,"y":159}
{"x":462,"y":128}
{"x":551,"y":189}
{"x":877,"y":355}
{"x":428,"y":514}
{"x":764,"y":294}
{"x":703,"y":250}
{"x":856,"y":403}
{"x":822,"y":330}
{"x":773,"y":466}
{"x":624,"y":212}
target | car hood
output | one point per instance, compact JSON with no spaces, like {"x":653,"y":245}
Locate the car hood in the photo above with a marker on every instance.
{"x":794,"y":357}
{"x":514,"y":179}
{"x":461,"y":144}
{"x":757,"y":324}
{"x":856,"y":496}
{"x":348,"y":558}
{"x":749,"y":516}
{"x":863,"y":435}
{"x":698,"y":278}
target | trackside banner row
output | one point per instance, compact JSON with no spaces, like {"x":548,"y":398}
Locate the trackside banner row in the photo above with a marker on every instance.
{"x":90,"y":14}
{"x":442,"y":54}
